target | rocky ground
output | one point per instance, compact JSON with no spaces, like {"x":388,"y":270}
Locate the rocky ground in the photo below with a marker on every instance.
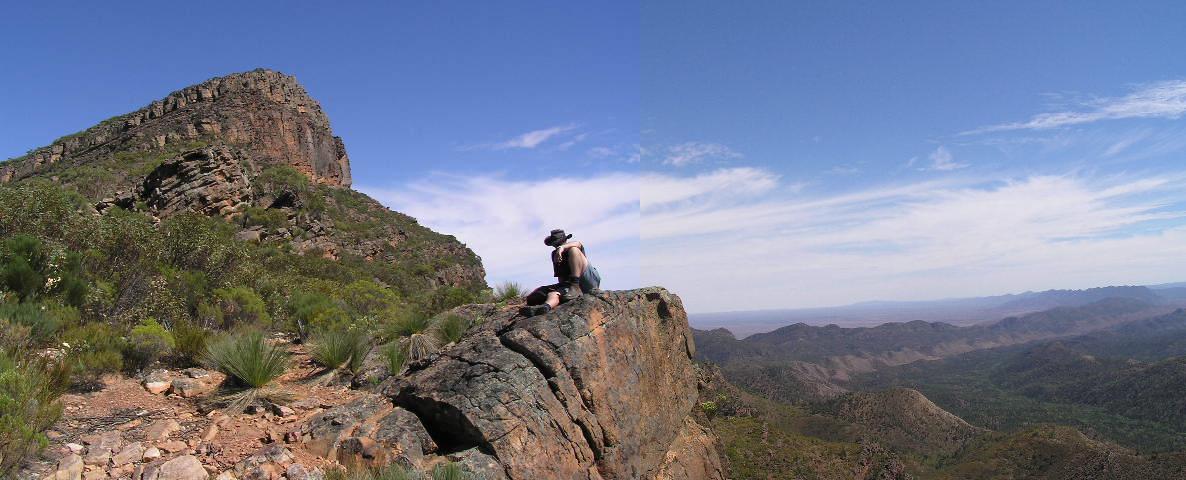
{"x":600,"y":388}
{"x":165,"y":423}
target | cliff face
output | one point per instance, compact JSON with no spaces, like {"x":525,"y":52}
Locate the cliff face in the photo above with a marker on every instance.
{"x":601,"y":388}
{"x":266,"y":112}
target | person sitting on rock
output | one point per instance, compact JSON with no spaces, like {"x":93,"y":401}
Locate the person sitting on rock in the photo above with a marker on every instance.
{"x":571,"y":267}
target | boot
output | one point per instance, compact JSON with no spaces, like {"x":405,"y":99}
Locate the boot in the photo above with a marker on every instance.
{"x":572,"y":289}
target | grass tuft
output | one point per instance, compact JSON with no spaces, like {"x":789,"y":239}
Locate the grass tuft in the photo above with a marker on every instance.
{"x":341,"y":348}
{"x":449,"y":328}
{"x":508,"y":291}
{"x":420,"y":346}
{"x":248,"y":358}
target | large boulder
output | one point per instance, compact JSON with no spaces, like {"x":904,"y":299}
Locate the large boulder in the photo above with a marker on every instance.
{"x":600,"y":388}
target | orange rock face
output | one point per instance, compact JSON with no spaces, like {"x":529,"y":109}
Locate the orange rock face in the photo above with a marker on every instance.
{"x":265,"y":112}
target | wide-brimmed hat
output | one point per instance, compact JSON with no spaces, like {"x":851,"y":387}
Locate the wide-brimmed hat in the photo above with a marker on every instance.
{"x":556,"y":238}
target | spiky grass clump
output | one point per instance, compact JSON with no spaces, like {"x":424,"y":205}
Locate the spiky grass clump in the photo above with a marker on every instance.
{"x":359,"y":472}
{"x":420,"y":346}
{"x":449,"y":328}
{"x":252,"y":363}
{"x":395,"y":356}
{"x":355,"y":471}
{"x":508,"y":291}
{"x":341,"y":348}
{"x":407,"y":324}
{"x":450,"y":471}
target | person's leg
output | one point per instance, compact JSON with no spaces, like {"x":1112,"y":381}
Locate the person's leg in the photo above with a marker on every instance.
{"x":548,"y":297}
{"x":576,"y":258}
{"x":577,"y":264}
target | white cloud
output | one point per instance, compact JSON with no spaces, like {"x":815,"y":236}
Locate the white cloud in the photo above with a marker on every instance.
{"x":531,"y":140}
{"x":1158,"y":100}
{"x":942,"y":160}
{"x":694,"y":152}
{"x":505,"y":220}
{"x":732,"y":251}
{"x":744,"y":238}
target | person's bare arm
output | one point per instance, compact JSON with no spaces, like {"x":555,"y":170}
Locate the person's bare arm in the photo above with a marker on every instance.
{"x":572,"y":244}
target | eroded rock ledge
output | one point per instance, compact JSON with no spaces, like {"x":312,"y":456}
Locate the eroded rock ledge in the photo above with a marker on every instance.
{"x":602,"y":388}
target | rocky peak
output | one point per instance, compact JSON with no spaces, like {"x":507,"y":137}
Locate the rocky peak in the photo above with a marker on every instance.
{"x":263,"y":111}
{"x":601,"y":388}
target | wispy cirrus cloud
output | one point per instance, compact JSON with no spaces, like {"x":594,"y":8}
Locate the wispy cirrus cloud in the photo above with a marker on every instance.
{"x":942,"y":160}
{"x":746,"y":238}
{"x":927,"y":239}
{"x":532,"y":139}
{"x":689,"y":153}
{"x":1157,"y":100}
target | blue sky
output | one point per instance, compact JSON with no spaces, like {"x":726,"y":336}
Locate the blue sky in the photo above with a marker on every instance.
{"x":434,"y":100}
{"x":746,"y":155}
{"x":829,"y":153}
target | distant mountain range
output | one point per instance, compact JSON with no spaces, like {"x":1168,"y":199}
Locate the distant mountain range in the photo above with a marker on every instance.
{"x":958,"y":311}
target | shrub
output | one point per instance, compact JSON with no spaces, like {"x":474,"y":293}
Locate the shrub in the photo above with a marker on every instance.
{"x":394,"y":357}
{"x":365,"y":297}
{"x":29,"y":390}
{"x":14,"y":337}
{"x":248,"y":358}
{"x":341,"y":348}
{"x":450,"y":327}
{"x":147,"y":343}
{"x":91,"y":351}
{"x":41,"y":320}
{"x":23,"y":267}
{"x":311,"y":311}
{"x":508,"y":291}
{"x":189,"y":341}
{"x":239,"y":306}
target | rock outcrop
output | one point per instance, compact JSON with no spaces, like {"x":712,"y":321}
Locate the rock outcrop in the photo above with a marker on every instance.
{"x":601,"y":388}
{"x":210,"y":181}
{"x":264,"y":111}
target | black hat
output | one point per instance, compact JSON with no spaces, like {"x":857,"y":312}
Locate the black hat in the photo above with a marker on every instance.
{"x":556,"y":238}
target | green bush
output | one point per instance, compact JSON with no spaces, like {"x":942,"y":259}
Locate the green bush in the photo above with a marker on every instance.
{"x":312,"y":311}
{"x":248,"y":358}
{"x":341,"y":348}
{"x":450,"y":327}
{"x":23,"y":266}
{"x":265,"y":217}
{"x":239,"y":307}
{"x":190,"y":342}
{"x":91,"y":351}
{"x":29,"y":390}
{"x":508,"y":291}
{"x":365,"y":297}
{"x":147,"y":343}
{"x":14,"y":337}
{"x":394,"y":357}
{"x":43,"y":321}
